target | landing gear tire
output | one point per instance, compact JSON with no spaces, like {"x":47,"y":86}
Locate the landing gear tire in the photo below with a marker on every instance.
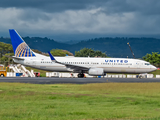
{"x":2,"y":75}
{"x":80,"y":75}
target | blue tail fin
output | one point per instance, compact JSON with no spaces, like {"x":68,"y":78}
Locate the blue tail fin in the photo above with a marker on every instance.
{"x":20,"y":48}
{"x":52,"y":58}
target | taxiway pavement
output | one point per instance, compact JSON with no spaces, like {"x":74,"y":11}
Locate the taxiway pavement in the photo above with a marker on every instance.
{"x":44,"y":80}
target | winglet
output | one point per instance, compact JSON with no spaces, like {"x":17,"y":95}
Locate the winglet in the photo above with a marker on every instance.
{"x":52,"y":58}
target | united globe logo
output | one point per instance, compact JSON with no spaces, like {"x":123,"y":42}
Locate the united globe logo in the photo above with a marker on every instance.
{"x":24,"y":51}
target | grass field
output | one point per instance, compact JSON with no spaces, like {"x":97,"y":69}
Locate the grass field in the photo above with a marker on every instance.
{"x":108,"y":101}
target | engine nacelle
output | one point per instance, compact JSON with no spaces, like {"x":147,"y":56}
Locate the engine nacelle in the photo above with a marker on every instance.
{"x":96,"y":71}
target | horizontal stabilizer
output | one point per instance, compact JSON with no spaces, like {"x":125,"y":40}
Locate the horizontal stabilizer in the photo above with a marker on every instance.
{"x":14,"y":57}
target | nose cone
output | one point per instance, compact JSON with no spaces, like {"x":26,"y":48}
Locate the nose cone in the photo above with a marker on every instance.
{"x":153,"y":68}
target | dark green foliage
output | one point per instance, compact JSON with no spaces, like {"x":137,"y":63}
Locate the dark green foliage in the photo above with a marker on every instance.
{"x":153,"y":58}
{"x":85,"y":52}
{"x":5,"y":60}
{"x":5,"y":49}
{"x":37,"y":51}
{"x":59,"y":52}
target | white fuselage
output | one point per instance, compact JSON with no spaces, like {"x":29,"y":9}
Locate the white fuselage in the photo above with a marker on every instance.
{"x":109,"y":65}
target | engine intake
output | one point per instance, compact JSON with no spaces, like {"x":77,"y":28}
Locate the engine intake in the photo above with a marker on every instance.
{"x":96,"y":71}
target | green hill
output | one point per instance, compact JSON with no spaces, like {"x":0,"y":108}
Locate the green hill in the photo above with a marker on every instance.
{"x":113,"y":47}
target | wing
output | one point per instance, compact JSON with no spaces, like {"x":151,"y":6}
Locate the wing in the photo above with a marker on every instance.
{"x":72,"y":66}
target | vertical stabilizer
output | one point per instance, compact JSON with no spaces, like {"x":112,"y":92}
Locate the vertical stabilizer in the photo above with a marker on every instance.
{"x":20,"y":48}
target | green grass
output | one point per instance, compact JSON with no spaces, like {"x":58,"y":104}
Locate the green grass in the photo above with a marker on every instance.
{"x":117,"y":101}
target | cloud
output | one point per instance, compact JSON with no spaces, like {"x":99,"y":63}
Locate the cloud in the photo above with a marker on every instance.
{"x":52,"y":5}
{"x":77,"y":21}
{"x":81,"y":16}
{"x":110,"y":6}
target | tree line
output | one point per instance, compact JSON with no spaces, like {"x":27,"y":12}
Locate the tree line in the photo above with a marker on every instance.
{"x":113,"y":47}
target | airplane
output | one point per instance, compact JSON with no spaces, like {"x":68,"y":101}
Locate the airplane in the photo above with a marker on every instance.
{"x":93,"y":66}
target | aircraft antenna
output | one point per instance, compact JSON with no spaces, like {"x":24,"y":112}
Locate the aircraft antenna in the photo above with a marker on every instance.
{"x":131,"y":50}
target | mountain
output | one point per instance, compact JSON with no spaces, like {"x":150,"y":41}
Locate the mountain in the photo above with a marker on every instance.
{"x":117,"y":47}
{"x":41,"y":44}
{"x":113,"y":47}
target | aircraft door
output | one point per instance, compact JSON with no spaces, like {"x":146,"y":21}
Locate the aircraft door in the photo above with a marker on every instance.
{"x":138,"y":64}
{"x":34,"y":63}
{"x":26,"y":62}
{"x":90,"y":64}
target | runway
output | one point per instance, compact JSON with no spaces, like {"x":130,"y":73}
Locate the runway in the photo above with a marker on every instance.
{"x":44,"y":80}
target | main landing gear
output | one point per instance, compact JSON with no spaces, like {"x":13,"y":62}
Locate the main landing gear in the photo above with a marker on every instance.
{"x":80,"y":75}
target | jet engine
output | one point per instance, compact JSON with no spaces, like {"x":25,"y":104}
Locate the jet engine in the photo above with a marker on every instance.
{"x":96,"y":71}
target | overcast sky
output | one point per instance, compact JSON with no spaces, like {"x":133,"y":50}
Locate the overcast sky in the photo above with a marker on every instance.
{"x":73,"y":19}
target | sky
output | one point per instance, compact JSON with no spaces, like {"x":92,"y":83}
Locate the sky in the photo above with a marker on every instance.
{"x":80,"y":19}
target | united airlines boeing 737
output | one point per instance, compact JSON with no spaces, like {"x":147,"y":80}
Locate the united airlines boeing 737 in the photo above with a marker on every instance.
{"x":93,"y":66}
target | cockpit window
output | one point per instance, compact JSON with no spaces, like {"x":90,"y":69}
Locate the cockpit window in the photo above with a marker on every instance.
{"x":147,"y":64}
